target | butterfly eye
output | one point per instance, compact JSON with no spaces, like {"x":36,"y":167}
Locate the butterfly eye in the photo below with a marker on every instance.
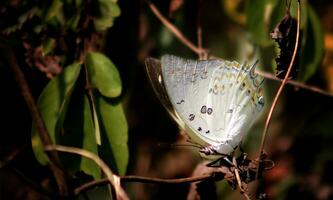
{"x":261,"y":100}
{"x":203,"y":109}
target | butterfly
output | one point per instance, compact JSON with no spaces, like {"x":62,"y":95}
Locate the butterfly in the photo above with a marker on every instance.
{"x":216,"y":101}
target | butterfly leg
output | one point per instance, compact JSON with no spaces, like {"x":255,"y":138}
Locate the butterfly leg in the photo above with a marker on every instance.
{"x":210,"y":150}
{"x":212,"y":164}
{"x":228,"y":161}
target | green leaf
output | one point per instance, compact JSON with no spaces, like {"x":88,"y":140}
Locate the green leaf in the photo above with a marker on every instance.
{"x":304,"y":12}
{"x":78,"y":131}
{"x":114,"y":132}
{"x":278,"y":13}
{"x":48,"y":46}
{"x":73,"y":22}
{"x":280,"y":9}
{"x":89,"y":143}
{"x":51,"y":104}
{"x":108,"y":11}
{"x":53,"y":10}
{"x":313,"y":49}
{"x":255,"y":12}
{"x":103,"y":75}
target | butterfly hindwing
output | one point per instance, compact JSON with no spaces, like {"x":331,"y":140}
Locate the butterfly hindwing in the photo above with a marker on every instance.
{"x":236,"y":101}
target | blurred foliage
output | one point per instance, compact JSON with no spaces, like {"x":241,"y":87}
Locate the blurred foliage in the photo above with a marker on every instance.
{"x":48,"y":35}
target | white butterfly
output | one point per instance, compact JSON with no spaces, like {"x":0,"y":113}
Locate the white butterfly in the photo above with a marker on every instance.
{"x":215,"y":101}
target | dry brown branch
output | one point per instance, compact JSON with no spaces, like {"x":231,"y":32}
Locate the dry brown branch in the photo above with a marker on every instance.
{"x":204,"y":54}
{"x":141,"y":179}
{"x":175,"y":31}
{"x":113,"y":179}
{"x":276,"y":98}
{"x":202,"y":173}
{"x":37,"y":119}
{"x":295,"y":83}
{"x":215,"y":173}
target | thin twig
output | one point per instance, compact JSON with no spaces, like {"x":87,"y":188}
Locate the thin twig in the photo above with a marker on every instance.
{"x":113,"y":179}
{"x":204,"y":54}
{"x":295,"y":83}
{"x":272,"y":108}
{"x":174,"y":30}
{"x":239,"y":182}
{"x":37,"y":119}
{"x":141,"y":179}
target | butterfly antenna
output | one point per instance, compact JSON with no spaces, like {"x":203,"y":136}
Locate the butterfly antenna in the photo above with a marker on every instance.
{"x":254,"y":64}
{"x":167,"y":145}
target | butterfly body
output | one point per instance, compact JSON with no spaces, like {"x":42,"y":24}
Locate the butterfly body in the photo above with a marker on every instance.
{"x":215,"y":101}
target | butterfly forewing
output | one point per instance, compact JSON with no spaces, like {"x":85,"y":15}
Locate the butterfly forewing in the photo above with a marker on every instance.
{"x":154,"y":71}
{"x":187,"y":83}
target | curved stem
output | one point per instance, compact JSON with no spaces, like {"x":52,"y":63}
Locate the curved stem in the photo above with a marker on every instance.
{"x":297,"y":84}
{"x":141,"y":179}
{"x":112,"y":178}
{"x":276,"y":98}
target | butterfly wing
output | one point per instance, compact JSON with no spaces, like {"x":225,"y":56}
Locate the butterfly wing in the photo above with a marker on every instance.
{"x":218,"y":100}
{"x":187,"y":83}
{"x":236,"y":100}
{"x":154,"y":71}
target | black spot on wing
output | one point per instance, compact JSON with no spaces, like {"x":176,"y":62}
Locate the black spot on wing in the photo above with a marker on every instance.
{"x":191,"y":117}
{"x":203,"y":109}
{"x":181,"y":101}
{"x":209,"y":111}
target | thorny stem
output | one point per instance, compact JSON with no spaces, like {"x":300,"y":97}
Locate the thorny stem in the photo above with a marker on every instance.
{"x":270,"y":113}
{"x":58,"y":173}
